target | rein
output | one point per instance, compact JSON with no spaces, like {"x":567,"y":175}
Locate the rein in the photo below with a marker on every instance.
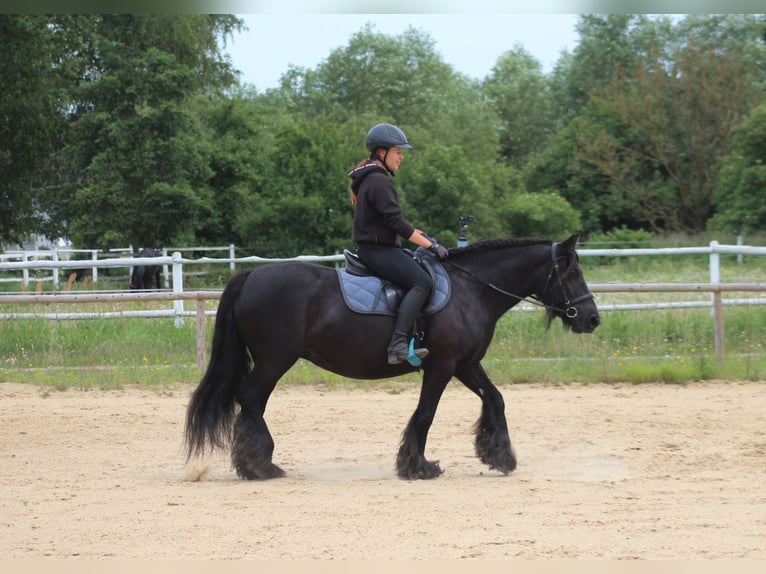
{"x":570,"y":311}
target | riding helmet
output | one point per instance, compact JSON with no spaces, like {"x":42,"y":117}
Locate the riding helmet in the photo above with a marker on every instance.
{"x":386,"y":136}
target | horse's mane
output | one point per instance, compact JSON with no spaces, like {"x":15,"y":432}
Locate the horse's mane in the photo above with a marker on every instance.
{"x":491,"y":244}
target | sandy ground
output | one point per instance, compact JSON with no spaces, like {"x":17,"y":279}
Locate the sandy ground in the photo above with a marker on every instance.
{"x":605,"y":471}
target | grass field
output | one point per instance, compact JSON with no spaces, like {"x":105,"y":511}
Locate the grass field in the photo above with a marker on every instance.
{"x":636,"y":346}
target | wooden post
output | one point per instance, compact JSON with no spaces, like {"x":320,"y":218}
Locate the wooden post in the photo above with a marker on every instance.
{"x":718,"y":320}
{"x":201,"y":344}
{"x":715,"y":279}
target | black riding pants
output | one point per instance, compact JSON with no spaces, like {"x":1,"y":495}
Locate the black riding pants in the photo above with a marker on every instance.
{"x":394,"y":264}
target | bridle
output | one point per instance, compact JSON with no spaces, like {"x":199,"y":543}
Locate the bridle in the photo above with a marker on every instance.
{"x":569,"y":304}
{"x":570,"y":311}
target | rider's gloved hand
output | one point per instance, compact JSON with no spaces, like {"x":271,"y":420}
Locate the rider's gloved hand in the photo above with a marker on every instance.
{"x":440,"y":252}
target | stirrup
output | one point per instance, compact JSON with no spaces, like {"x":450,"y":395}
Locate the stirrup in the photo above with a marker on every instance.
{"x":414,"y":355}
{"x":396,"y":355}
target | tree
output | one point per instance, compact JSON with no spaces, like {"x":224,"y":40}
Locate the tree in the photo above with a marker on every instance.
{"x":439,"y":183}
{"x":400,"y":77}
{"x":36,"y":74}
{"x":668,"y":128}
{"x":520,"y":96}
{"x":603,"y":47}
{"x":643,"y":151}
{"x":243,"y":126}
{"x":609,"y":44}
{"x":740,"y":196}
{"x":376,"y":78}
{"x":542,"y":214}
{"x":304,"y":206}
{"x":138,"y":149}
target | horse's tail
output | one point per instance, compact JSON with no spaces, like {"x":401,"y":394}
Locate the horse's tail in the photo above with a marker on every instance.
{"x":212,"y":409}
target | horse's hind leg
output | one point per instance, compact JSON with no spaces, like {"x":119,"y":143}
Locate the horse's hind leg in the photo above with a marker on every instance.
{"x":253,"y":444}
{"x":493,"y":444}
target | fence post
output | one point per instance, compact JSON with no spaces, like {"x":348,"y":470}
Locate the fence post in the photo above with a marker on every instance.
{"x":55,"y":259}
{"x":165,"y":269}
{"x":130,"y":267}
{"x":94,"y":271}
{"x":201,"y":343}
{"x":231,"y":256}
{"x":717,"y":310}
{"x":178,"y":287}
{"x":25,"y":271}
{"x":739,"y":244}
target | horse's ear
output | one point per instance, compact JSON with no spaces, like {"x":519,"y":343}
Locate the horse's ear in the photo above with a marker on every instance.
{"x":571,"y":243}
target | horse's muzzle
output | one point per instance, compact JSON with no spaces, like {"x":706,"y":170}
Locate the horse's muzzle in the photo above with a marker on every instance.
{"x":585,"y":322}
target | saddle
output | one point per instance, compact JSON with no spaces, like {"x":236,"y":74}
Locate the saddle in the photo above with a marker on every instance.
{"x":365,"y":292}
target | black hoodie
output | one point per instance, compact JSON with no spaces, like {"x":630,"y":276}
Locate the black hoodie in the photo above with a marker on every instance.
{"x":378,"y":216}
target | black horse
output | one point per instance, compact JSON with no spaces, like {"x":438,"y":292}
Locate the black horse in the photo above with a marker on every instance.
{"x":270,"y":317}
{"x":144,"y":275}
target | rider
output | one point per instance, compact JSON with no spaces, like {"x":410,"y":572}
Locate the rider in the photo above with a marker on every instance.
{"x":378,"y":227}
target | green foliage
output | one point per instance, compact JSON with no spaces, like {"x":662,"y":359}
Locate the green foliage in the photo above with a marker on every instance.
{"x":634,"y":346}
{"x":620,"y":238}
{"x":304,"y":207}
{"x":556,"y":169}
{"x":243,"y":128}
{"x":131,"y":128}
{"x":608,"y":44}
{"x":440,"y":183}
{"x":649,"y":345}
{"x":544,"y":214}
{"x":741,"y":192}
{"x":401,"y":77}
{"x":519,"y":94}
{"x":31,"y":99}
{"x":657,"y":148}
{"x":658,"y":116}
{"x":141,"y":158}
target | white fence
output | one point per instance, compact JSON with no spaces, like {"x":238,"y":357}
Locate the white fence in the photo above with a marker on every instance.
{"x":177,"y":295}
{"x":65,"y":254}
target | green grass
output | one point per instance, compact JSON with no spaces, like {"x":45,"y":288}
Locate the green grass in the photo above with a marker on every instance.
{"x":674,"y":346}
{"x":633,"y":346}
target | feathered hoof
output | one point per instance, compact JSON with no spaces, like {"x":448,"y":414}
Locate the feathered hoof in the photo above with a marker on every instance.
{"x":418,"y":469}
{"x":261,"y":471}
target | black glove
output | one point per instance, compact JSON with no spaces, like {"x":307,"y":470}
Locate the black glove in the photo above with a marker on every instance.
{"x":440,"y":252}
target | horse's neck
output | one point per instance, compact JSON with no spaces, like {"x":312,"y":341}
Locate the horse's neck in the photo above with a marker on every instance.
{"x":515,"y":270}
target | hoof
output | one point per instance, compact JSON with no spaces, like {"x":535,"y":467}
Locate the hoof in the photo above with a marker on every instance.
{"x":264,"y":471}
{"x":423,"y":470}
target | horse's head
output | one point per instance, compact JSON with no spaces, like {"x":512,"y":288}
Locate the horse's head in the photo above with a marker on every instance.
{"x":566,"y":295}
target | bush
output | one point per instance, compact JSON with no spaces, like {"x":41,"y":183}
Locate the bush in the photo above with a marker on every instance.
{"x":620,"y":238}
{"x":545,"y":214}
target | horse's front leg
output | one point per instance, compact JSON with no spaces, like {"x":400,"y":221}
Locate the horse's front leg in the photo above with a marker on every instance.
{"x":493,"y":444}
{"x":411,"y":462}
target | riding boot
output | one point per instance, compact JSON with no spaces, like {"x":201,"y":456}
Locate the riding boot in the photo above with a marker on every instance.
{"x":399,"y":347}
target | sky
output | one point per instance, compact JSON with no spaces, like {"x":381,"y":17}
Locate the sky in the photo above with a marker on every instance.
{"x":471,"y":43}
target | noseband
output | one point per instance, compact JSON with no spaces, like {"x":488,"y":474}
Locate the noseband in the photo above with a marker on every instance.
{"x":570,"y":310}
